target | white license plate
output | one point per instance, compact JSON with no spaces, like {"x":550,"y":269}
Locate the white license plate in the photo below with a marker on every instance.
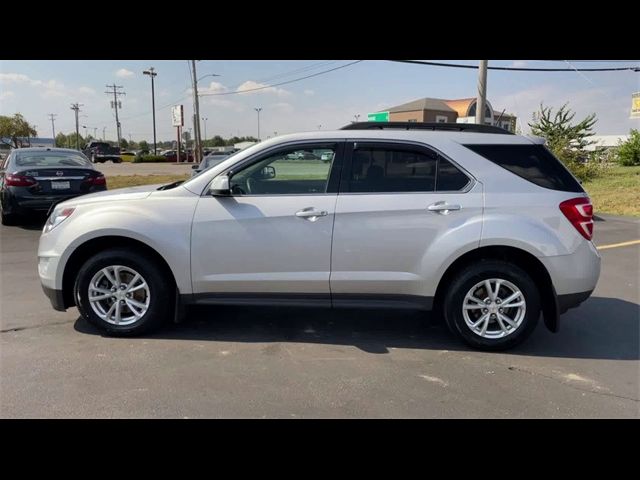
{"x":60,"y":185}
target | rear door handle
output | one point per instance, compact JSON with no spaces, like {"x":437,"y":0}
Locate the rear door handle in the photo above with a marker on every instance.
{"x":443,"y":208}
{"x":311,"y":214}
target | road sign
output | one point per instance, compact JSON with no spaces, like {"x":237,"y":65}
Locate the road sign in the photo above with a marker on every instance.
{"x":635,"y":105}
{"x":177,"y":116}
{"x":378,"y":117}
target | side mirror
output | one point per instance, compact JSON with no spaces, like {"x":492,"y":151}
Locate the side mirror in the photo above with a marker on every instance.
{"x":220,"y":186}
{"x":267,"y":172}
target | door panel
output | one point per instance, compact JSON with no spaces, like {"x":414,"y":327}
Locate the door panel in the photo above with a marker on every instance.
{"x":391,"y":243}
{"x":394,"y":242}
{"x":257,"y":244}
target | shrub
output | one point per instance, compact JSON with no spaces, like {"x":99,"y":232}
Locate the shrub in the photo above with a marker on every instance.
{"x":629,"y":151}
{"x":149,"y":159}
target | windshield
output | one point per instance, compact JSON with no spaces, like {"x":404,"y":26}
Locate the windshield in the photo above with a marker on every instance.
{"x":52,"y":159}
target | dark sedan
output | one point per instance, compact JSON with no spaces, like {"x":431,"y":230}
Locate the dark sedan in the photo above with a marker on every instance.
{"x":208,"y":162}
{"x":33,"y":179}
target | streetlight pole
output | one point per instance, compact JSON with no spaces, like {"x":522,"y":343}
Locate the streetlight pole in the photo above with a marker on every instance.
{"x":205,"y":128}
{"x":103,"y":130}
{"x":151,"y":72}
{"x":258,"y":110}
{"x":482,"y":92}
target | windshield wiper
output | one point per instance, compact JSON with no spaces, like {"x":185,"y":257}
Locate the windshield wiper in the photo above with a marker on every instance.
{"x":170,"y":185}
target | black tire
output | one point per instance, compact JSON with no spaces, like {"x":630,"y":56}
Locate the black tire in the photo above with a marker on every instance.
{"x":117,"y":161}
{"x":475,"y":273}
{"x":8,"y":219}
{"x":161,"y":292}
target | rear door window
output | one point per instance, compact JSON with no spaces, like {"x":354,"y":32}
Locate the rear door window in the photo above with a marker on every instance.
{"x":534,"y":163}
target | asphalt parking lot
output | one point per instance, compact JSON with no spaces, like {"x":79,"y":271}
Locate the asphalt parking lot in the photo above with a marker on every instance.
{"x":301,"y":363}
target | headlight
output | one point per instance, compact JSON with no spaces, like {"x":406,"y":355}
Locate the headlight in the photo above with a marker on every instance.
{"x":59,"y":215}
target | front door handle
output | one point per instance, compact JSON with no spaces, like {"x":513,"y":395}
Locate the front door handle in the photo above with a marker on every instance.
{"x":443,"y":208}
{"x":311,"y":214}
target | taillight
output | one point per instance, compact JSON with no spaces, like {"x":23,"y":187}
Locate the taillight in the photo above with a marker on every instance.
{"x":99,"y":180}
{"x":13,"y":180}
{"x":579,"y":212}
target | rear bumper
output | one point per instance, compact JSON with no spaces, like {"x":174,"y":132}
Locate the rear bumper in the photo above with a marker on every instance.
{"x":55,"y":297}
{"x":21,"y":203}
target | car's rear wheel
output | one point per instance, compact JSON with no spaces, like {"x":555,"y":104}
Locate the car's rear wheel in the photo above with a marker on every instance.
{"x":123,"y":292}
{"x":8,"y":219}
{"x":492,"y":305}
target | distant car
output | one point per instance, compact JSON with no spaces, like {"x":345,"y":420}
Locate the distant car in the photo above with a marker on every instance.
{"x":172,"y":156}
{"x":208,"y":162}
{"x":127,"y":154}
{"x":34,"y":179}
{"x":100,"y":152}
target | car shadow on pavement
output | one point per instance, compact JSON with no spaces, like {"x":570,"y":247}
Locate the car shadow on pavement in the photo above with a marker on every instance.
{"x":602,"y":328}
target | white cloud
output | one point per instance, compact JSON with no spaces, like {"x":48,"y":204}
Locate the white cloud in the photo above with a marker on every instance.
{"x":6,"y":94}
{"x":249,"y":86}
{"x":213,"y":88}
{"x":87,"y":90}
{"x":124,"y":73}
{"x":309,"y":92}
{"x":14,"y":78}
{"x":519,"y":64}
{"x":50,"y":88}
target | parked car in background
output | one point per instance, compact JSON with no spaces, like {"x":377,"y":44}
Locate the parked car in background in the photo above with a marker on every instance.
{"x":208,"y":162}
{"x":127,"y":155}
{"x":486,"y":227}
{"x":33,"y":179}
{"x":100,"y":152}
{"x":172,"y":156}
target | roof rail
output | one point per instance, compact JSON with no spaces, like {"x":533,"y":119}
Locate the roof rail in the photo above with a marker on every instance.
{"x":454,"y":127}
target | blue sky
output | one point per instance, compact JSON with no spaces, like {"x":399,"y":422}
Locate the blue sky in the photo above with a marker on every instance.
{"x":37,"y":88}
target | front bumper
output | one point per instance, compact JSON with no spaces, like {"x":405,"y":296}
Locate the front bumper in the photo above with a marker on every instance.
{"x":55,"y":297}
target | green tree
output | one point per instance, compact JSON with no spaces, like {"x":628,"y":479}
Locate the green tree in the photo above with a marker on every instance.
{"x":61,"y":140}
{"x":568,"y":140}
{"x":629,"y":151}
{"x":218,"y":141}
{"x":143,"y":145}
{"x":15,"y":131}
{"x":124,"y":143}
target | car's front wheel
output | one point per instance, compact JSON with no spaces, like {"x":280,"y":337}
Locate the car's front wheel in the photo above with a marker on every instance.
{"x":123,"y":292}
{"x":492,"y":305}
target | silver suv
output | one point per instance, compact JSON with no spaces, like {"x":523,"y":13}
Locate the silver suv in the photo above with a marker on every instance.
{"x":486,"y":227}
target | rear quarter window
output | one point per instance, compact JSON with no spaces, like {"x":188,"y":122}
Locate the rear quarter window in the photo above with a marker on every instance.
{"x":533,"y":163}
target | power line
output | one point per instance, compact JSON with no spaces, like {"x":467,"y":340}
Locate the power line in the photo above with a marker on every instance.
{"x":282,"y":83}
{"x":522,"y":69}
{"x":309,"y":67}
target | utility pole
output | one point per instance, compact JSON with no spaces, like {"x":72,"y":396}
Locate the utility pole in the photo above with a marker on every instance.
{"x":481,"y":102}
{"x":103,"y":136}
{"x":115,"y":105}
{"x":151,"y":72}
{"x":95,"y":134}
{"x":258,"y":110}
{"x":197,"y":147}
{"x":205,"y":129}
{"x":53,"y":116}
{"x":76,"y":108}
